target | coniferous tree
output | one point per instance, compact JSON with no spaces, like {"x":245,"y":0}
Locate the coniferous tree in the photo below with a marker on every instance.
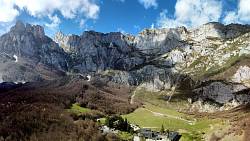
{"x":162,"y":129}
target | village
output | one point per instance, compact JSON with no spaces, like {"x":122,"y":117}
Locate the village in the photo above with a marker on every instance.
{"x":115,"y":124}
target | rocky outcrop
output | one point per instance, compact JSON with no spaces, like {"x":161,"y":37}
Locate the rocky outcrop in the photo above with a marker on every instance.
{"x":242,"y":75}
{"x":29,"y":44}
{"x":62,"y":40}
{"x":159,"y":41}
{"x":215,"y":30}
{"x":222,"y":92}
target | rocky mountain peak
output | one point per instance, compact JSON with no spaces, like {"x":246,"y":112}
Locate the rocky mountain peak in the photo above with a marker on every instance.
{"x":21,"y":27}
{"x":31,"y":51}
{"x":38,"y":31}
{"x":18,"y":27}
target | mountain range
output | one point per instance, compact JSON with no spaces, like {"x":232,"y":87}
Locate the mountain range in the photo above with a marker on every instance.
{"x":211,"y":61}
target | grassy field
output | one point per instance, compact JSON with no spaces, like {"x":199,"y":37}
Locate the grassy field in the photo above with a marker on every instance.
{"x":156,"y":112}
{"x":75,"y":108}
{"x":147,"y":119}
{"x":125,"y":136}
{"x":178,"y":100}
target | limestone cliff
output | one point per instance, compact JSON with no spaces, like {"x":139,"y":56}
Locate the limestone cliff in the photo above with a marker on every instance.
{"x":209,"y":60}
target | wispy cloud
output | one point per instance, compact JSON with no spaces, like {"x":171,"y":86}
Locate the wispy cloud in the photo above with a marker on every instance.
{"x":191,"y":13}
{"x":121,"y":30}
{"x":69,"y":9}
{"x":240,"y":15}
{"x":8,"y":12}
{"x":120,"y":0}
{"x":149,"y":3}
{"x":82,"y":23}
{"x":55,"y":21}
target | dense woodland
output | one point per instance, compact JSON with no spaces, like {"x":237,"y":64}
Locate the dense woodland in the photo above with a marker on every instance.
{"x":38,"y":112}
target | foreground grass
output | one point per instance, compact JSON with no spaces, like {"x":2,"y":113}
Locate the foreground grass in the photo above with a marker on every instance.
{"x":125,"y":136}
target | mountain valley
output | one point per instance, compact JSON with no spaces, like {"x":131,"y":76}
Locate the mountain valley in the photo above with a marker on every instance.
{"x":195,"y":81}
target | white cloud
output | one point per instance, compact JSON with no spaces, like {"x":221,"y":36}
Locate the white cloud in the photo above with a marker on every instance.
{"x":240,"y":15}
{"x":191,"y":13}
{"x":165,"y":21}
{"x":55,"y":21}
{"x":70,"y":9}
{"x":148,"y":3}
{"x":231,"y":17}
{"x":244,"y":10}
{"x":121,"y":30}
{"x":152,"y":26}
{"x":137,"y":27}
{"x":82,"y":23}
{"x":8,"y":13}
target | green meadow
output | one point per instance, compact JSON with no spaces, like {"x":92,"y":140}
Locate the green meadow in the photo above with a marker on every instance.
{"x":77,"y":109}
{"x":154,"y":113}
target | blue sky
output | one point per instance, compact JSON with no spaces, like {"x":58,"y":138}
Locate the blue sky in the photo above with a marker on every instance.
{"x":129,"y":16}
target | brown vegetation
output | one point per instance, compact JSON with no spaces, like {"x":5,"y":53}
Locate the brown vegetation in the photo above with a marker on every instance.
{"x":36,"y":111}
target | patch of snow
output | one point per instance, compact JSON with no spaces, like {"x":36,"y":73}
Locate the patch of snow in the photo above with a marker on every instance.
{"x":16,"y":58}
{"x":20,"y":82}
{"x":88,"y":77}
{"x":23,"y":82}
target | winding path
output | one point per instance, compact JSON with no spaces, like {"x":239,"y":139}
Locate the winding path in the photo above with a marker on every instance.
{"x":132,"y":98}
{"x":190,"y":122}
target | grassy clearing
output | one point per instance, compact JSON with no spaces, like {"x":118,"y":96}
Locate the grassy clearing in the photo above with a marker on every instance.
{"x":193,"y":136}
{"x":145,"y":118}
{"x":125,"y":136}
{"x":169,"y":116}
{"x":76,"y":108}
{"x":163,"y":110}
{"x":178,"y":100}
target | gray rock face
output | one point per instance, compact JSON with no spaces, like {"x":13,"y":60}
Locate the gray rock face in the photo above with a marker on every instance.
{"x":218,"y":30}
{"x":96,"y":52}
{"x":31,"y":46}
{"x":158,"y":59}
{"x":242,"y":74}
{"x":222,"y":92}
{"x":159,"y":41}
